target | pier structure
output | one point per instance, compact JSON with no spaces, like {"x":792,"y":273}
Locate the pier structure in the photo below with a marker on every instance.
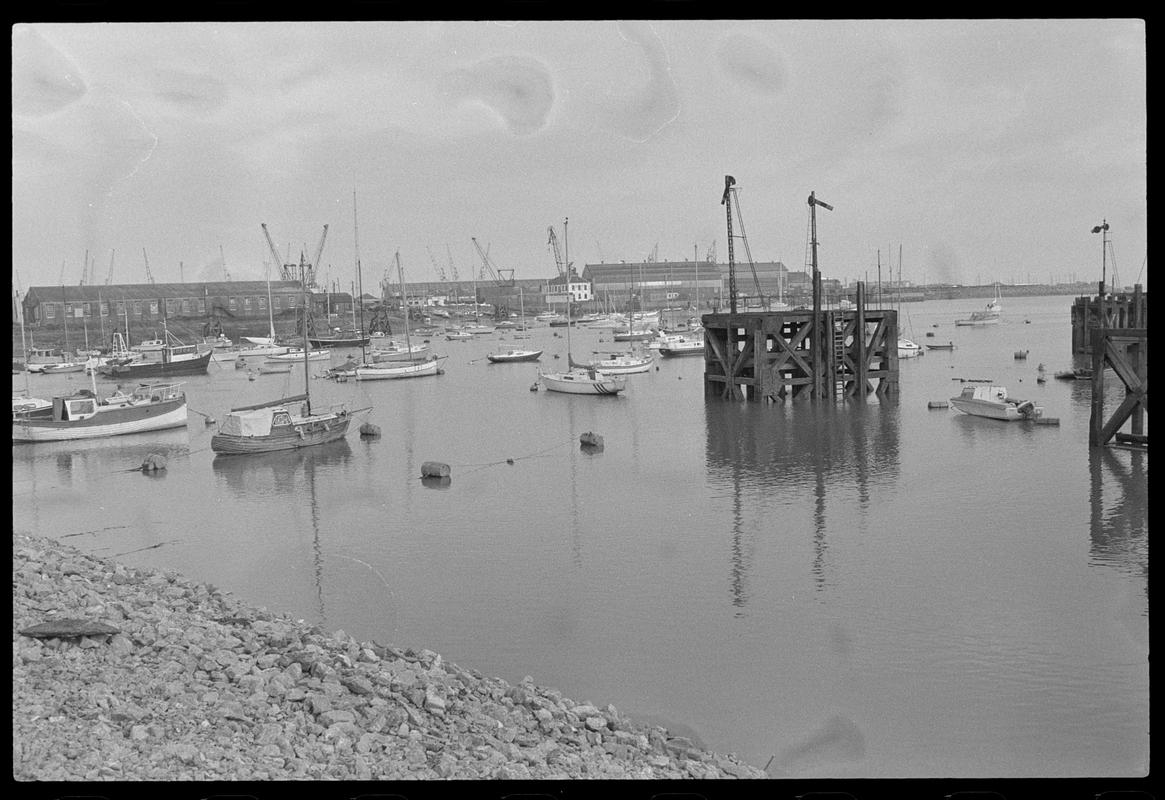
{"x":1121,"y":311}
{"x":825,"y":354}
{"x":1126,"y":352}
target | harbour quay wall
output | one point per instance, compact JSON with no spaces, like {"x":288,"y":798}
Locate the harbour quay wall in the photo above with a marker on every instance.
{"x":197,"y":686}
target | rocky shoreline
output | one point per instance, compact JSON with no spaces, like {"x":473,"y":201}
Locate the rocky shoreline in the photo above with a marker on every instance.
{"x":189,"y":684}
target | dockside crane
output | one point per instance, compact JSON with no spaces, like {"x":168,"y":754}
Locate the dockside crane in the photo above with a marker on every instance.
{"x":149,"y":275}
{"x":728,"y":200}
{"x":290,"y":271}
{"x":552,"y":241}
{"x":436,"y":267}
{"x":502,"y":277}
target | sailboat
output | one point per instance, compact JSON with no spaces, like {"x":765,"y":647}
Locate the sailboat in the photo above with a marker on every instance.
{"x":988,"y":316}
{"x":907,"y":348}
{"x":268,"y":341}
{"x":279,"y":424}
{"x":517,"y":353}
{"x":68,"y":363}
{"x":576,"y":379}
{"x":411,"y":369}
{"x":26,"y":402}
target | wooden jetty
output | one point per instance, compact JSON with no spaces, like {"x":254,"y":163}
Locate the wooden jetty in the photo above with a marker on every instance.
{"x":1126,"y":352}
{"x":824,"y":354}
{"x":1108,"y":311}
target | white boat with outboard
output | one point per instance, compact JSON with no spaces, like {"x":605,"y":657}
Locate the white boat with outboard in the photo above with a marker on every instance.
{"x":993,"y":402}
{"x":682,"y":347}
{"x":84,"y":415}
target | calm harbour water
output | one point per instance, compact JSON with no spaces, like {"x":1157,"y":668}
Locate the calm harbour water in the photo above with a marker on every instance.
{"x":866,"y":590}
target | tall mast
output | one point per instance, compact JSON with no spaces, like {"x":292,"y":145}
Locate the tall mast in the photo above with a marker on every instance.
{"x":359,"y":275}
{"x":404,"y":301}
{"x":303,"y":294}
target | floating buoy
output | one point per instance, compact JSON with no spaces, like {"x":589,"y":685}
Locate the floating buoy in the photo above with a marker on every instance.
{"x":1019,"y":354}
{"x":434,"y":469}
{"x":509,"y":461}
{"x":436,"y":483}
{"x":589,"y":439}
{"x":154,"y":462}
{"x":368,"y":429}
{"x":938,"y":404}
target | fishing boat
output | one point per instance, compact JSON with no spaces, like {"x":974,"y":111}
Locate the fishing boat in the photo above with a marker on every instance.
{"x":39,"y":357}
{"x":990,"y":315}
{"x":580,"y":380}
{"x":149,"y":346}
{"x":281,"y":424}
{"x":1075,"y":374}
{"x":947,"y":346}
{"x":404,"y":369}
{"x":514,"y":355}
{"x":458,"y":336}
{"x":83,"y":415}
{"x":275,"y":367}
{"x":682,"y":347}
{"x":994,"y":403}
{"x":175,"y":358}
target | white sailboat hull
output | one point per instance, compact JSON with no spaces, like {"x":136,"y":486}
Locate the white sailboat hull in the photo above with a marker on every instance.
{"x":379,"y":373}
{"x":583,"y":382}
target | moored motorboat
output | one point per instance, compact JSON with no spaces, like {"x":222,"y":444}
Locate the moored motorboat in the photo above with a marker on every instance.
{"x":83,"y":415}
{"x":908,"y":348}
{"x":994,"y":403}
{"x":682,"y":347}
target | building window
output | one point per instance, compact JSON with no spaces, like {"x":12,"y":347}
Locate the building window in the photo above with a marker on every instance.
{"x":200,"y":306}
{"x":137,"y":308}
{"x":172,"y":306}
{"x":233,"y":303}
{"x":185,"y":306}
{"x":247,"y":304}
{"x":262,"y":303}
{"x":103,"y":309}
{"x":50,"y":310}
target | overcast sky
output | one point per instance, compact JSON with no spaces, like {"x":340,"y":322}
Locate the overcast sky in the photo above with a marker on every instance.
{"x":986,"y":150}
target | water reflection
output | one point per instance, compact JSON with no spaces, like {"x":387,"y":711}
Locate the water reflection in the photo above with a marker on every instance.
{"x":1119,"y":504}
{"x":275,"y":474}
{"x":791,"y":451}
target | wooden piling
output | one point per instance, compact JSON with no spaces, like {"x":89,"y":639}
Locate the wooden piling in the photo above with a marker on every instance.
{"x":832,"y":354}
